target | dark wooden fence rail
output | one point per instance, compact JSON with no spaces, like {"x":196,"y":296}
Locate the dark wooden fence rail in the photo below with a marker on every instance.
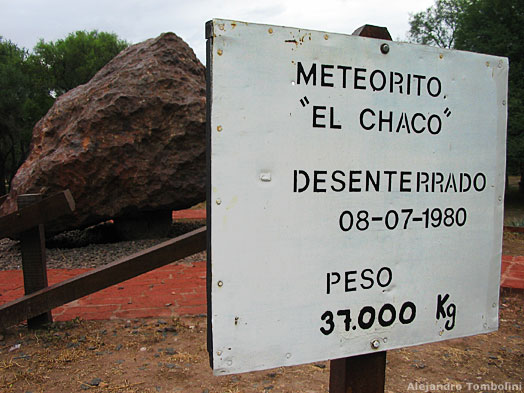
{"x":113,"y":273}
{"x":41,"y":212}
{"x":28,"y":223}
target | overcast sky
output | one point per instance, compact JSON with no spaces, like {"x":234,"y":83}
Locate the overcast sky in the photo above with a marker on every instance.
{"x":24,"y":22}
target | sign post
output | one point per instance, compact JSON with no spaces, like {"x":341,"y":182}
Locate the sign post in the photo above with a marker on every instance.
{"x":355,"y":196}
{"x":358,"y":374}
{"x":362,"y":373}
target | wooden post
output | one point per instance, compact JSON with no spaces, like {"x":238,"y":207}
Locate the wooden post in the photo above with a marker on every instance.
{"x":29,"y":217}
{"x":358,"y":374}
{"x":32,"y":244}
{"x":363,"y":373}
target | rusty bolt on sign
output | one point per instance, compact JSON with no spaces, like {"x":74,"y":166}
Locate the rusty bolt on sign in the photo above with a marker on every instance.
{"x":375,"y":344}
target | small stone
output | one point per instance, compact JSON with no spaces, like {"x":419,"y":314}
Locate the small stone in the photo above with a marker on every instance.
{"x":118,"y":347}
{"x":169,"y":329}
{"x":170,"y":351}
{"x":320,"y":365}
{"x":85,"y":386}
{"x":161,"y":322}
{"x":142,"y":368}
{"x":95,"y":382}
{"x":91,"y":348}
{"x":205,"y":391}
{"x":143,"y":349}
{"x":72,"y":345}
{"x":170,"y":366}
{"x":168,"y":304}
{"x":119,"y":361}
{"x":270,"y":387}
{"x":158,"y":388}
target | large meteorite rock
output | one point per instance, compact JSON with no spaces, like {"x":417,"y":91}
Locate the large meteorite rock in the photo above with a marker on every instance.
{"x":128,"y":143}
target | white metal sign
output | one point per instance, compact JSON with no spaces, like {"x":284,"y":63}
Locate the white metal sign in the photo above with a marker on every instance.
{"x":356,"y":194}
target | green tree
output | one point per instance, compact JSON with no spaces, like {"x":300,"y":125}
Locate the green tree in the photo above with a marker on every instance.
{"x":438,"y":24}
{"x":486,"y":26}
{"x":495,"y":27}
{"x":77,"y":58}
{"x":29,"y":83}
{"x":25,"y":99}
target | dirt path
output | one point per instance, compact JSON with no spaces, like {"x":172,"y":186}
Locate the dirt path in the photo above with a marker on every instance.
{"x":151,"y":355}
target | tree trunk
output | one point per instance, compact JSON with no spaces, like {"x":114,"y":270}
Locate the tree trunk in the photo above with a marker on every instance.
{"x":3,"y":188}
{"x":521,"y":182}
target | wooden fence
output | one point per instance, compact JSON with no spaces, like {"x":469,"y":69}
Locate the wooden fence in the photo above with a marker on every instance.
{"x":28,"y":224}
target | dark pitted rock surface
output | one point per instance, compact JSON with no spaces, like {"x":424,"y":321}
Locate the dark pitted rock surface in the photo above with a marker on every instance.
{"x":129,"y":142}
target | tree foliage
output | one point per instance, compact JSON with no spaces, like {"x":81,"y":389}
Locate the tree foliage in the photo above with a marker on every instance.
{"x":437,"y":25}
{"x":76,"y":59}
{"x":495,"y":27}
{"x":29,"y":83}
{"x":24,"y":99}
{"x":486,"y":26}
